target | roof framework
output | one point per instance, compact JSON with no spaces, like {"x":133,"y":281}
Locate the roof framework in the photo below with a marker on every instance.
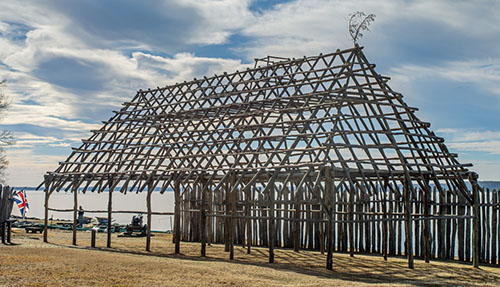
{"x":287,"y":117}
{"x":321,"y":129}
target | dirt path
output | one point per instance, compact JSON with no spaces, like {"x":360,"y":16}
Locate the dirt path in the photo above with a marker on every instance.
{"x":33,"y":263}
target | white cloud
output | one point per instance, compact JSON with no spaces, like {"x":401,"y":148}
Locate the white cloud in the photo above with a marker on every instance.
{"x":473,"y":140}
{"x":492,"y":147}
{"x":483,"y":73}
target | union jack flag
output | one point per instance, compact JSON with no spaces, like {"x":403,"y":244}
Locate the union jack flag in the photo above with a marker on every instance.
{"x":22,"y":202}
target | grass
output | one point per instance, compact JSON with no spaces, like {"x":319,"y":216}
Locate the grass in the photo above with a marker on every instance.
{"x":34,"y":263}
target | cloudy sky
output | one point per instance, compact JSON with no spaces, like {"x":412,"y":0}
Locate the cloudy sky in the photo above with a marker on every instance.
{"x":69,"y":64}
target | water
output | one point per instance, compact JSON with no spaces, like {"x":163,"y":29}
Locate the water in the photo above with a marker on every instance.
{"x":99,"y":201}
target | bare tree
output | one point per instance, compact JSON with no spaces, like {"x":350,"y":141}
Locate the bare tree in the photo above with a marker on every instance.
{"x":6,"y":137}
{"x":357,"y":23}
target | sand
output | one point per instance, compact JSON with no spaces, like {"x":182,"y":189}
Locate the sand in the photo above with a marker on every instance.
{"x":34,"y":263}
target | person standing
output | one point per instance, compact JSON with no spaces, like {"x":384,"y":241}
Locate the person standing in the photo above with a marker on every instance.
{"x":80,"y":216}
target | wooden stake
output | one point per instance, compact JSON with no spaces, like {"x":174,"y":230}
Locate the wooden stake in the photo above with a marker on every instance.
{"x":203,"y":220}
{"x":75,"y":209}
{"x":475,"y":222}
{"x":46,"y":219}
{"x":272,"y":230}
{"x":330,"y":225}
{"x":177,"y":218}
{"x":148,"y":206}
{"x":408,"y":229}
{"x":427,"y":227}
{"x":110,"y":210}
{"x":249,"y":220}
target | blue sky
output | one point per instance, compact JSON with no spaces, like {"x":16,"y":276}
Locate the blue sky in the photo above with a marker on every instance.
{"x":69,"y":64}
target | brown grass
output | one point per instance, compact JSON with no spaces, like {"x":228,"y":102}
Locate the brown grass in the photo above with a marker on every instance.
{"x":33,"y":263}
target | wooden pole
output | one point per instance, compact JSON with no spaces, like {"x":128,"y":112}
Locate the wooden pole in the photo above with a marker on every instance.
{"x":232,"y":221}
{"x":329,"y":233}
{"x":296,"y":229}
{"x":475,"y":221}
{"x":249,"y":220}
{"x":177,"y":218}
{"x":148,"y":206}
{"x":408,"y":229}
{"x":272,"y":229}
{"x":384,"y":217}
{"x":46,"y":219}
{"x":351,"y":220}
{"x":75,"y":209}
{"x":110,"y":209}
{"x":427,"y":227}
{"x":210,"y":219}
{"x":203,"y":220}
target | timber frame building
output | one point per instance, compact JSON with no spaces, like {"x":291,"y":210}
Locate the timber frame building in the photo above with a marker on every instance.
{"x":279,"y":155}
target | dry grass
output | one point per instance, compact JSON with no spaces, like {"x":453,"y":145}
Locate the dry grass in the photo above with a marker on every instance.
{"x":33,"y":263}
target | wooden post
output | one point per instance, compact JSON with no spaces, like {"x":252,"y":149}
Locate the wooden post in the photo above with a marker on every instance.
{"x":329,"y":233}
{"x":272,"y":229}
{"x":177,"y":217}
{"x":351,"y":220}
{"x":46,"y":219}
{"x":210,"y":219}
{"x":92,"y":238}
{"x":9,"y":231}
{"x":148,"y":206}
{"x":110,"y":209}
{"x":203,"y":219}
{"x":232,"y":221}
{"x":384,"y":219}
{"x":296,"y":231}
{"x":475,"y":221}
{"x":249,"y":220}
{"x":408,"y":229}
{"x":75,"y":209}
{"x":427,"y":226}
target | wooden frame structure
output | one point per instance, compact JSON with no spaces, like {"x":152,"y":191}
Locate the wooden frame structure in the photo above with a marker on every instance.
{"x":273,"y":155}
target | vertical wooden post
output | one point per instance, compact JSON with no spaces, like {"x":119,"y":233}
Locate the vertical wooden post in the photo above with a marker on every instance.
{"x":249,"y":220}
{"x":296,"y":234}
{"x":427,"y":226}
{"x":329,"y":233}
{"x":475,"y":221}
{"x":210,"y":219}
{"x":272,"y":229}
{"x":232,"y":221}
{"x":351,"y":220}
{"x":227,"y":219}
{"x":408,"y":229}
{"x":203,"y":219}
{"x":9,"y":231}
{"x":177,"y":217}
{"x":75,"y":208}
{"x":148,"y":206}
{"x":384,"y":219}
{"x":46,"y":219}
{"x":110,"y":209}
{"x":92,"y":238}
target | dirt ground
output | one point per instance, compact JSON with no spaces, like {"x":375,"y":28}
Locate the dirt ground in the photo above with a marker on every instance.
{"x":33,"y":263}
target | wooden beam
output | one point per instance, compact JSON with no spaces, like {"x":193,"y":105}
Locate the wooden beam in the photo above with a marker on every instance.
{"x":75,"y":209}
{"x":46,"y":217}
{"x":475,"y":221}
{"x":110,"y":210}
{"x":203,"y":220}
{"x":408,"y":229}
{"x":148,"y":206}
{"x":177,"y":217}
